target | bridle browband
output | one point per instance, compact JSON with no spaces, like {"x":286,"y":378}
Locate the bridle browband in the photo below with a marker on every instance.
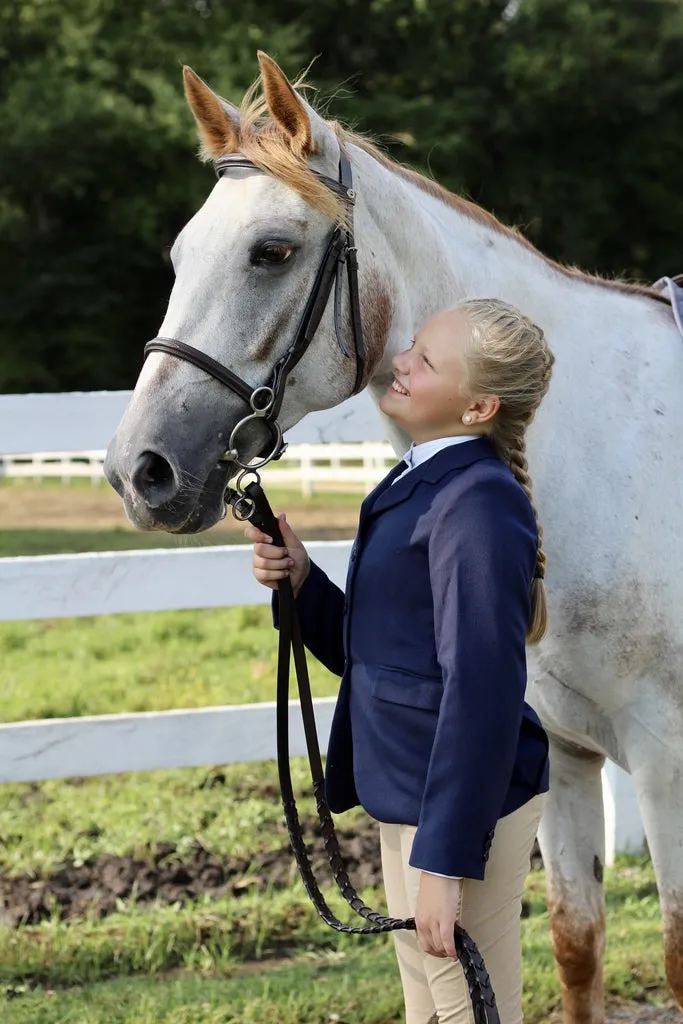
{"x":265,"y":400}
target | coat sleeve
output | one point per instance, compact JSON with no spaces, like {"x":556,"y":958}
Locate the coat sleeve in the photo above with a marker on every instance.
{"x":320,"y":604}
{"x":482,"y":556}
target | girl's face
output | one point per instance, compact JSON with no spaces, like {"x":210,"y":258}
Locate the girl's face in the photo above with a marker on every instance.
{"x":426,"y":399}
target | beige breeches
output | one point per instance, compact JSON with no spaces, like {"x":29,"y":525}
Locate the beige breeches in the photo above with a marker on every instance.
{"x":491,"y":910}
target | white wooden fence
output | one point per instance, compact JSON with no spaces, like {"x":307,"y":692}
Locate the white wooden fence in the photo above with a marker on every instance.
{"x":303,"y":466}
{"x":54,"y":586}
{"x":66,"y":466}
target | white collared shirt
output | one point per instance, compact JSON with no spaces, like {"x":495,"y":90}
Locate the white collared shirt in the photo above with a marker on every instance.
{"x":419,"y":453}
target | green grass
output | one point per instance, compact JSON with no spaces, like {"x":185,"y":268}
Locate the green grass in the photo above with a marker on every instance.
{"x":118,"y":970}
{"x":359,"y":986}
{"x":66,"y":542}
{"x":43,"y":824}
{"x":105,"y":664}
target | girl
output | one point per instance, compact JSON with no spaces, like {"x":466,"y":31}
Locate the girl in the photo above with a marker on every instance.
{"x":431,"y":733}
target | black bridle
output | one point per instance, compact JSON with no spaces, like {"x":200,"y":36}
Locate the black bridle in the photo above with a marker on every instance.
{"x":265,"y":400}
{"x":249,"y":502}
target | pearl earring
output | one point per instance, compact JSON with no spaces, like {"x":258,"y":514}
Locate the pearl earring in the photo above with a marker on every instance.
{"x":467,"y":418}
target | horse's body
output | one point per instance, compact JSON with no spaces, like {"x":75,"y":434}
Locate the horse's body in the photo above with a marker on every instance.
{"x":605,"y":454}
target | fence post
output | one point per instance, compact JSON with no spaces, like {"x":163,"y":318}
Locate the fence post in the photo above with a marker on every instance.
{"x":306,"y":468}
{"x":623,"y":826}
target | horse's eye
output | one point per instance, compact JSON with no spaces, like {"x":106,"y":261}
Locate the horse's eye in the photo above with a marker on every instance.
{"x":272,"y":254}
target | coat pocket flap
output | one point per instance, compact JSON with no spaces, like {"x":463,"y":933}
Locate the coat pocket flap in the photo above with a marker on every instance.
{"x":403,"y":688}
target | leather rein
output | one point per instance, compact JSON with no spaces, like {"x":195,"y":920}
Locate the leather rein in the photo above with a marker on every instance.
{"x":249,"y":502}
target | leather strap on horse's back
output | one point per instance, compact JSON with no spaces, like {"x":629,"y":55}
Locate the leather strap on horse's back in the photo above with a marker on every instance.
{"x":672,"y":287}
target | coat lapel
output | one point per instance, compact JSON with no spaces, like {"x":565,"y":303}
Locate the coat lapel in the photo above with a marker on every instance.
{"x":456,"y":456}
{"x":382,"y":486}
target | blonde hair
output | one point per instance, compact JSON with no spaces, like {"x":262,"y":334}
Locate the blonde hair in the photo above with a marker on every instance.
{"x":508,"y":356}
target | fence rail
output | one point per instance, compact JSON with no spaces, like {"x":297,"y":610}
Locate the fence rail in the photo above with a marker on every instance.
{"x":304,"y":466}
{"x":65,"y":585}
{"x":109,"y":583}
{"x":62,"y":748}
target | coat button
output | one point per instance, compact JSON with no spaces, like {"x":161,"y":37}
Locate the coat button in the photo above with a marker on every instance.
{"x":346,"y":606}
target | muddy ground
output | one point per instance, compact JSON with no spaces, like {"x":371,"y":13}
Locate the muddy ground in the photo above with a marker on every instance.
{"x":162,"y":876}
{"x":643,"y":1015}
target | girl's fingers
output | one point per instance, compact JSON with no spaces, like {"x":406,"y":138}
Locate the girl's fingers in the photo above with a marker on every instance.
{"x":435,"y":942}
{"x":266,"y":575}
{"x":272,"y":563}
{"x":448,"y":942}
{"x":255,"y":535}
{"x":424,"y":940}
{"x":270,"y":551}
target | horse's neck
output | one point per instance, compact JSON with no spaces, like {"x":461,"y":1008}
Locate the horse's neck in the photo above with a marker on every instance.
{"x":439,"y":254}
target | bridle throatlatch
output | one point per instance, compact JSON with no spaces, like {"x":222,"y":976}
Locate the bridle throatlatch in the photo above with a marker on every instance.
{"x":248,"y":501}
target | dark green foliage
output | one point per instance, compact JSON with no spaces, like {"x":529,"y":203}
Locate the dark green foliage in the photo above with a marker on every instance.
{"x":562,"y":116}
{"x":98,"y":173}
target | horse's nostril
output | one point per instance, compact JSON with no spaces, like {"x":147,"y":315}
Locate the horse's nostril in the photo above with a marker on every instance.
{"x":154,"y":480}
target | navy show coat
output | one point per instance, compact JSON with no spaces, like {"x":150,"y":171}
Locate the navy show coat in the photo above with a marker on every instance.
{"x":431,"y":727}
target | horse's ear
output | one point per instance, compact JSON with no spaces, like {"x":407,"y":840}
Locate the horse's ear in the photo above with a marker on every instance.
{"x":217,"y":120}
{"x":297,"y":118}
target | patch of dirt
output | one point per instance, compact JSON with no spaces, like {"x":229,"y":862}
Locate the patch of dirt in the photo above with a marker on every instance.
{"x":161,"y":875}
{"x":635,"y":1013}
{"x":644,"y":1015}
{"x":27,"y":507}
{"x":94,"y":888}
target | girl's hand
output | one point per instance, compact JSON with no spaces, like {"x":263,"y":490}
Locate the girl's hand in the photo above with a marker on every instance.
{"x":271,"y":563}
{"x":439,"y":905}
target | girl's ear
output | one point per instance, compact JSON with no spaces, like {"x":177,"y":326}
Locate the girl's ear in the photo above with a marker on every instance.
{"x":482,"y":411}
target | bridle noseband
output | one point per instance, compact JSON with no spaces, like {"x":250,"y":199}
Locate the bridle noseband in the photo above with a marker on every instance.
{"x":265,"y":400}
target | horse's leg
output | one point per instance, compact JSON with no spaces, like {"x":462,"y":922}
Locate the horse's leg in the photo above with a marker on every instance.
{"x":572,"y":840}
{"x":658,"y":779}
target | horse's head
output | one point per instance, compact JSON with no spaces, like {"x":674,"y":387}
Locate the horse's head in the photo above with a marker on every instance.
{"x":245,"y":266}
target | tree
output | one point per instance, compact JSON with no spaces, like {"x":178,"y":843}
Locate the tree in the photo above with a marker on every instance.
{"x":98,"y":174}
{"x":562,"y":116}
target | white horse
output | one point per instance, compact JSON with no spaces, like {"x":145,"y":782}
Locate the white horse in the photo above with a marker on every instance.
{"x":606,"y":453}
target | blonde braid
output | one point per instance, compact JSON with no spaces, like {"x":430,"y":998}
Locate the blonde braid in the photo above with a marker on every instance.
{"x":509,"y":357}
{"x":512,"y":450}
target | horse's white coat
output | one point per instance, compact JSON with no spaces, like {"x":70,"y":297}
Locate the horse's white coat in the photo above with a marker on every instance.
{"x":607,"y":464}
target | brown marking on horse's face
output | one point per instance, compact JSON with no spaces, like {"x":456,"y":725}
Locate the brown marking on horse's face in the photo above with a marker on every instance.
{"x":578,"y":946}
{"x":166,"y":369}
{"x":377,"y":310}
{"x":672,"y":913}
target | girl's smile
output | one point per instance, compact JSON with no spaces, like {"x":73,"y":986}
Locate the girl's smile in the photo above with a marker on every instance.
{"x":398,"y":387}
